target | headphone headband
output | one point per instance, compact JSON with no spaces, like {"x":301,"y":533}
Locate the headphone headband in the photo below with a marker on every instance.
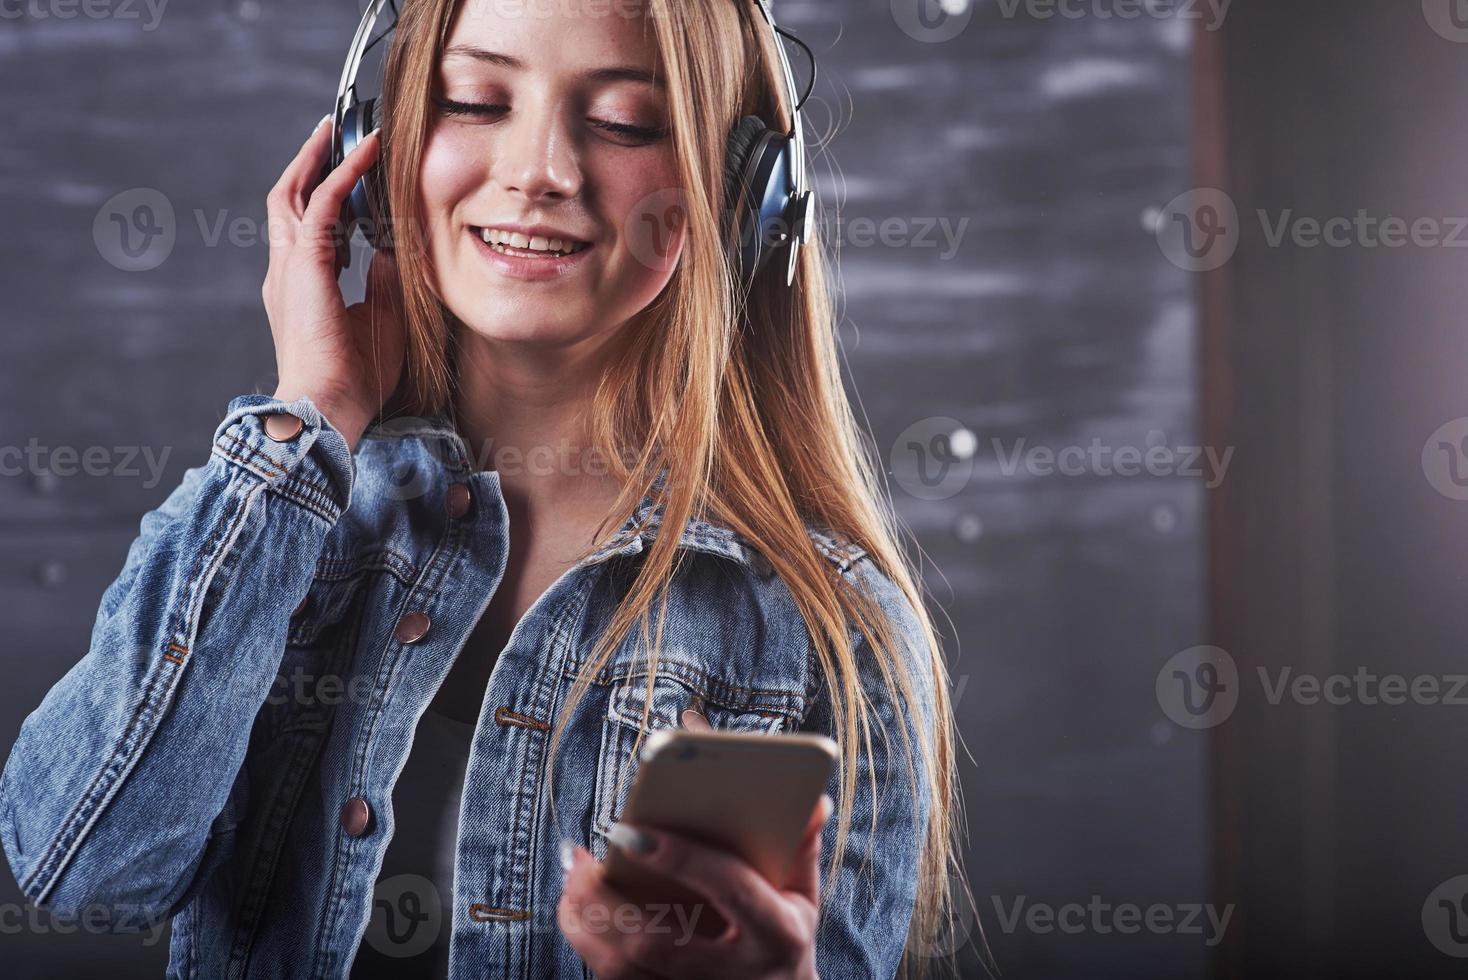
{"x":796,"y":134}
{"x":346,"y":87}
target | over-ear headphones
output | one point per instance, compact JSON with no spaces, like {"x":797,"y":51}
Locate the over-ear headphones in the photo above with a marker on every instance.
{"x":767,"y":199}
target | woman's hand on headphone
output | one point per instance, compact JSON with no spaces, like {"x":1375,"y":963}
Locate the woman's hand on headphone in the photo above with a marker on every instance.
{"x":346,"y":359}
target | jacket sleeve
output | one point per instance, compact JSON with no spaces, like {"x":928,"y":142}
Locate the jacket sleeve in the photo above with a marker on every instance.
{"x":865,"y":916}
{"x":124,"y":786}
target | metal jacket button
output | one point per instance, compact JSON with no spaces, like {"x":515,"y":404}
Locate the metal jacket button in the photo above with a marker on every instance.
{"x":283,"y":426}
{"x":412,"y":627}
{"x":356,"y":816}
{"x":457,"y":500}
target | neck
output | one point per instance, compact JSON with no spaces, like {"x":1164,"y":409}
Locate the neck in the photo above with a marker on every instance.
{"x":523,"y":410}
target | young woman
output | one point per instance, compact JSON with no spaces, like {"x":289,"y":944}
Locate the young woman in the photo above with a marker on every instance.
{"x":366,"y":696}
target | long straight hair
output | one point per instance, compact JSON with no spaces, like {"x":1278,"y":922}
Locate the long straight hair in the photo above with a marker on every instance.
{"x":741,"y":404}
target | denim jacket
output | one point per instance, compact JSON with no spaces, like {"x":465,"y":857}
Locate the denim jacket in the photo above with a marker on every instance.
{"x":226,"y":751}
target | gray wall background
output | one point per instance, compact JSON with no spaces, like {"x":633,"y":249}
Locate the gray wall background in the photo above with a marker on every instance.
{"x":1048,"y":145}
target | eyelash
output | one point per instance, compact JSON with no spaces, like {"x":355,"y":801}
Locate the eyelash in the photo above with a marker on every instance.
{"x":491,"y":111}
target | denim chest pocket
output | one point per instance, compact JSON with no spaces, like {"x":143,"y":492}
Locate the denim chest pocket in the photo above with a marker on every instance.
{"x":674,"y":691}
{"x":312,"y":680}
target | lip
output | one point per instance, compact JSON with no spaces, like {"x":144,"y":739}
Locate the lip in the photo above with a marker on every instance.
{"x":544,"y":231}
{"x":528,"y":269}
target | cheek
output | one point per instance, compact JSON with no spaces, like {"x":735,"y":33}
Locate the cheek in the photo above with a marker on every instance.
{"x":450,"y":172}
{"x":651,"y":212}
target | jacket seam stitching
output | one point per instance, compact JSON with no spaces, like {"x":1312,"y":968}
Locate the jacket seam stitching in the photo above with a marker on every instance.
{"x":109,"y":779}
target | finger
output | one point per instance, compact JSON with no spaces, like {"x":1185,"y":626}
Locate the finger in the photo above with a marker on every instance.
{"x":608,"y":931}
{"x":736,"y":890}
{"x":819,"y":814}
{"x":805,"y":868}
{"x":324,"y":210}
{"x":302,"y":173}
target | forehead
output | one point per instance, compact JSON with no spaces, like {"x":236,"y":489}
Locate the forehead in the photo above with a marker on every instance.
{"x":535,"y":35}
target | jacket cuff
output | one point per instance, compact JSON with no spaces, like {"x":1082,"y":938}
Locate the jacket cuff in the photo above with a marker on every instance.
{"x":307,"y":460}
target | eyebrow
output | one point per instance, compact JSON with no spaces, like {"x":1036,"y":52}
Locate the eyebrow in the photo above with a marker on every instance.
{"x":609,"y":73}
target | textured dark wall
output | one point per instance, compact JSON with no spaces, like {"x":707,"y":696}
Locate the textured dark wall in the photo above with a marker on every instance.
{"x":1004,"y":294}
{"x":1340,"y":543}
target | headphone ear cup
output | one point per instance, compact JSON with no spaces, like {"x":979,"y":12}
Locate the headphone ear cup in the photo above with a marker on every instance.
{"x":741,"y":198}
{"x":379,"y":231}
{"x":366,"y":203}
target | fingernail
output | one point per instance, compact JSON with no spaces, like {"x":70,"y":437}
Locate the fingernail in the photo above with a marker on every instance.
{"x":629,"y":838}
{"x":324,"y":120}
{"x":828,"y":806}
{"x":568,"y":854}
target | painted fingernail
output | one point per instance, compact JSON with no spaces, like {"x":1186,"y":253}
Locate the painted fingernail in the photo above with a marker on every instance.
{"x":629,"y":838}
{"x":568,"y":854}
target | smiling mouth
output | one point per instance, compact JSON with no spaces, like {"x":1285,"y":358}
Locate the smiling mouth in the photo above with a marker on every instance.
{"x":522,"y":246}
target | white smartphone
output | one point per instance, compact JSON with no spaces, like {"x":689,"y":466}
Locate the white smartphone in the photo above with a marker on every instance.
{"x":751,"y":794}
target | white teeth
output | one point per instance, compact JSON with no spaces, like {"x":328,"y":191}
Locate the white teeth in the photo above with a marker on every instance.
{"x":539,"y":243}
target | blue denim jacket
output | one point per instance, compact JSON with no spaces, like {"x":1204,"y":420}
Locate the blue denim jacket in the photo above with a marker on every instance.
{"x":226,"y":751}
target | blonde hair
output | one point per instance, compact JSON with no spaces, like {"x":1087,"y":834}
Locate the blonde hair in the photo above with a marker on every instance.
{"x":741,"y":403}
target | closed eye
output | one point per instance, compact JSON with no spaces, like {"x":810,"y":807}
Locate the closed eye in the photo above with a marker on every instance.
{"x":482,"y":109}
{"x":646,"y":134}
{"x":486,"y":110}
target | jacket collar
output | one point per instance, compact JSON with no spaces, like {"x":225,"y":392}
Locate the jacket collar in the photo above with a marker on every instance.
{"x":700,"y":534}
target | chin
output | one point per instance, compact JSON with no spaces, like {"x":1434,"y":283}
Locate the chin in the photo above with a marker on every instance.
{"x":508,"y":323}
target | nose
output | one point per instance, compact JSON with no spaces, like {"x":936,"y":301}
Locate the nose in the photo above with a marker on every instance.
{"x":536,"y":155}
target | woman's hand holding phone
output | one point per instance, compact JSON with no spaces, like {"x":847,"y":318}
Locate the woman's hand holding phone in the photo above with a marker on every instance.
{"x":346,"y":359}
{"x":769,"y":932}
